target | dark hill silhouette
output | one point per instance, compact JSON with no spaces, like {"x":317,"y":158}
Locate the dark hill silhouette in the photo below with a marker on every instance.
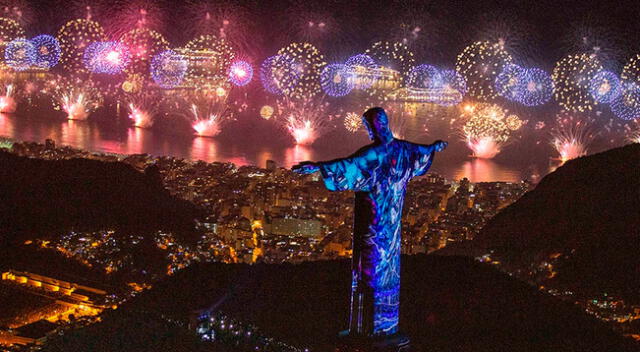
{"x":448,"y":304}
{"x":587,"y":213}
{"x":44,"y":197}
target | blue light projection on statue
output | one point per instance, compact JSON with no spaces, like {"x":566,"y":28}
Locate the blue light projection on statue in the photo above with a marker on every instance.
{"x":378,"y":173}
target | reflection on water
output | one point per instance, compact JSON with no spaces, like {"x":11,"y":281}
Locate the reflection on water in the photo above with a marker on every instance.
{"x":6,"y":124}
{"x":105,"y":137}
{"x":484,"y":170}
{"x":297,"y":154}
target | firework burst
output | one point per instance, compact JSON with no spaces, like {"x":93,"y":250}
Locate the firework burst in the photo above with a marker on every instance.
{"x":77,"y":97}
{"x":207,"y":110}
{"x":9,"y":30}
{"x":240,"y":73}
{"x":605,"y":87}
{"x":74,"y":37}
{"x":631,"y":70}
{"x":168,"y":69}
{"x":363,"y":71}
{"x":632,"y":133}
{"x":8,"y":102}
{"x":571,"y":135}
{"x":278,"y":74}
{"x":537,"y":87}
{"x":143,"y":43}
{"x":572,"y":77}
{"x":20,"y":54}
{"x":627,"y":105}
{"x":47,"y":51}
{"x":106,"y":57}
{"x":486,"y":129}
{"x":335,"y":80}
{"x":137,"y":14}
{"x":305,"y":120}
{"x":143,"y":106}
{"x":209,"y":60}
{"x":308,"y":63}
{"x":353,"y":122}
{"x":392,"y":55}
{"x":513,"y":122}
{"x":480,"y":64}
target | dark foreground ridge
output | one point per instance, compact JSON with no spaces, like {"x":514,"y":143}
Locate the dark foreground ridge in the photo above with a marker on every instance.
{"x":584,"y":219}
{"x":42,"y":197}
{"x":448,"y":304}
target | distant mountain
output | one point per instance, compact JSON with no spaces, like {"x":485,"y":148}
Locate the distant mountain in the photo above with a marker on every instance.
{"x":43,"y":197}
{"x":447,"y":304}
{"x":583,"y":220}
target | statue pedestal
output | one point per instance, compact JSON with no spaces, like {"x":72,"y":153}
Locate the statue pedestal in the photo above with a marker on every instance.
{"x":393,"y":343}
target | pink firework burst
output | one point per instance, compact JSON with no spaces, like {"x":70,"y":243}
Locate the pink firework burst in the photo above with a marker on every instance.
{"x":207,"y":110}
{"x":571,"y":136}
{"x":305,"y":120}
{"x":137,"y":14}
{"x":143,"y":106}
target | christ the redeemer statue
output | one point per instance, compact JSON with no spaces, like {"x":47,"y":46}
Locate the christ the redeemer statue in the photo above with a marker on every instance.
{"x":378,"y":173}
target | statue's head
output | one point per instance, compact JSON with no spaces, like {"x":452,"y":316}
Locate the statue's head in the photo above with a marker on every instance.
{"x":377,"y":123}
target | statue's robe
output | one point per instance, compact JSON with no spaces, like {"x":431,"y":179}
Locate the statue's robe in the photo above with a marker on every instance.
{"x":378,"y":173}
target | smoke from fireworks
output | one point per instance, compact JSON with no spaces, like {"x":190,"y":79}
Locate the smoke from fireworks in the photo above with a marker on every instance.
{"x":17,"y":10}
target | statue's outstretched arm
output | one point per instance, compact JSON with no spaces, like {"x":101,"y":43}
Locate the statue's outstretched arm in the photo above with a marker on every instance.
{"x":309,"y":167}
{"x":350,"y":173}
{"x":423,"y":156}
{"x":436,"y":146}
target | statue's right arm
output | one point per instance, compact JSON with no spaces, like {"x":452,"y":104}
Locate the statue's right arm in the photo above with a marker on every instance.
{"x":361,"y":158}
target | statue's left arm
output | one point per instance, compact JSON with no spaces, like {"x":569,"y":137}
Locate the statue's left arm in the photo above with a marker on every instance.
{"x":422,"y":155}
